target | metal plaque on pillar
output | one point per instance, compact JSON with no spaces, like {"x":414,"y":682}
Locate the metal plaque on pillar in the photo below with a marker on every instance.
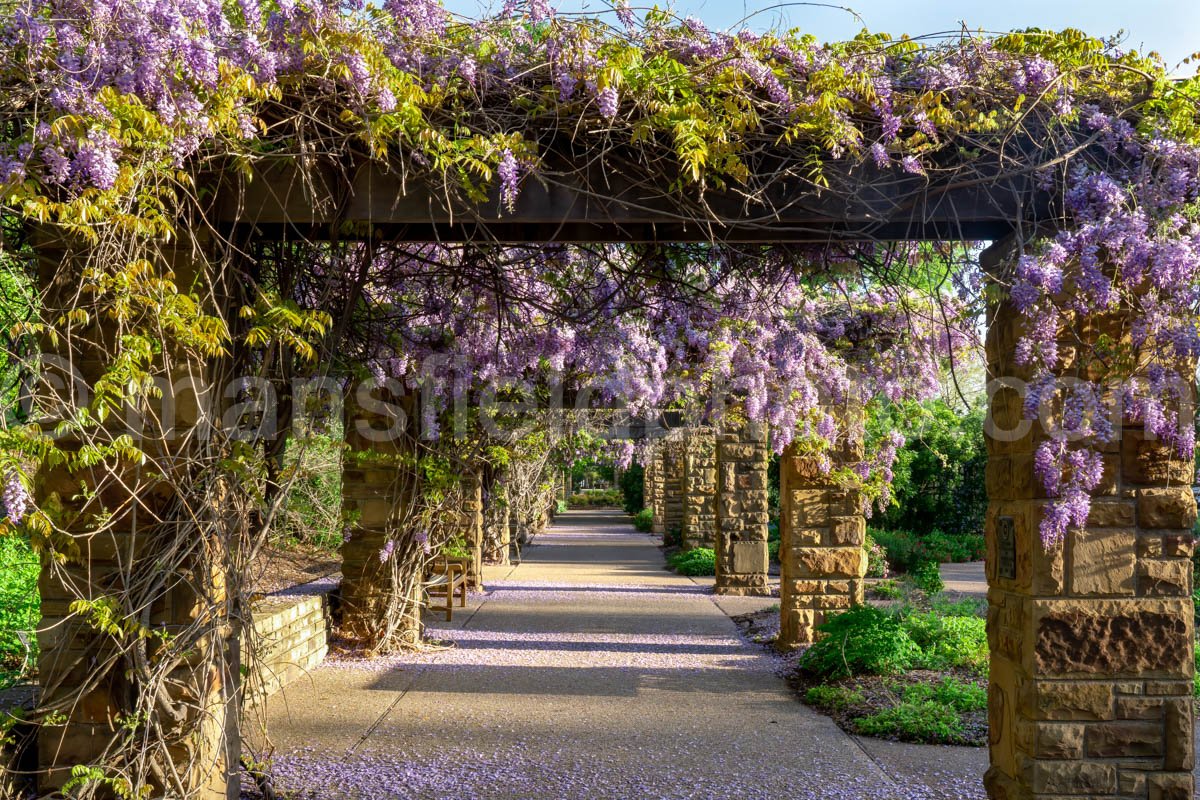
{"x":1006,"y":548}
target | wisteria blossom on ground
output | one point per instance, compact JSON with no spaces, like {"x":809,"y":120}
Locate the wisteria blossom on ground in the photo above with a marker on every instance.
{"x":586,"y":672}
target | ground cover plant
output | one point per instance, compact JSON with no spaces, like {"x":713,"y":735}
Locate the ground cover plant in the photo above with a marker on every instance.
{"x":913,"y":672}
{"x":695,"y":562}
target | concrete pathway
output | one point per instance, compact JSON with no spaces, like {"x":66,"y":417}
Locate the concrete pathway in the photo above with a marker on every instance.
{"x":587,"y":672}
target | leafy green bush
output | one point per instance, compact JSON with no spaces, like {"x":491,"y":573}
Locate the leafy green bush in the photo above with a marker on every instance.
{"x":938,"y":478}
{"x":672,"y":537}
{"x":928,"y":578}
{"x":697,"y":561}
{"x":887,"y":590}
{"x":773,"y":538}
{"x":835,"y":697}
{"x":925,"y":721}
{"x":903,"y":549}
{"x":633,"y":481}
{"x":876,"y":559}
{"x":948,"y":642}
{"x":644,"y":520}
{"x":863,"y":639}
{"x":456,"y":547}
{"x":597,"y":498}
{"x":561,"y":507}
{"x":20,"y":606}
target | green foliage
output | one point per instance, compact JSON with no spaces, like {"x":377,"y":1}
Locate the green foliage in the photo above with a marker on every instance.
{"x":313,"y":513}
{"x":905,"y":550}
{"x":16,"y":306}
{"x":887,"y":590}
{"x":962,"y":696}
{"x":947,"y":642}
{"x":924,"y":721}
{"x":672,"y":537}
{"x":876,"y":558}
{"x":833,"y":697}
{"x":632,"y":487}
{"x":939,"y":473}
{"x":561,"y":507}
{"x":862,"y":640}
{"x":20,"y":606}
{"x":644,"y":520}
{"x":697,"y":561}
{"x":456,"y":547}
{"x":928,"y":578}
{"x":596,"y":498}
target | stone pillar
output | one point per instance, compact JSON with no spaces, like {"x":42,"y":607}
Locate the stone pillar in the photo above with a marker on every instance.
{"x":672,"y":488}
{"x":1091,"y":639}
{"x":700,"y":489}
{"x":141,"y":560}
{"x":497,"y":533}
{"x":654,"y":492}
{"x":470,"y":524}
{"x":822,"y":532}
{"x":742,"y":511}
{"x":376,"y":489}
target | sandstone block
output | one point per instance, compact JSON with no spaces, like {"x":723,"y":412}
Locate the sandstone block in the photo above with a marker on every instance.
{"x":1103,"y":561}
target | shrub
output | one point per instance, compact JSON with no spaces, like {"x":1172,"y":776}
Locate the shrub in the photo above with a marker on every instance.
{"x":925,"y":721}
{"x":644,"y":520}
{"x":954,"y":549}
{"x":902,"y":548}
{"x":835,"y":697}
{"x":887,"y":590}
{"x":561,"y":507}
{"x":632,"y":488}
{"x":596,"y":498}
{"x":948,"y":642}
{"x":697,"y":561}
{"x":20,"y":606}
{"x":672,"y":537}
{"x":876,"y":559}
{"x":928,"y":578}
{"x":939,"y":473}
{"x":773,"y":551}
{"x":861,"y":640}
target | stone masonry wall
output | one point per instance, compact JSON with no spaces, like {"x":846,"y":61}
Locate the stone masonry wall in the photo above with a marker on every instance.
{"x":123,"y":554}
{"x":653,"y":486}
{"x":374,"y":490}
{"x":1091,"y":640}
{"x":822,"y":531}
{"x":672,"y":483}
{"x":700,"y":489}
{"x":742,"y":511}
{"x":497,"y":535}
{"x":291,"y":630}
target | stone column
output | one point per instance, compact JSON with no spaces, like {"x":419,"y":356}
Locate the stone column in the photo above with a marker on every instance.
{"x":1091,"y":639}
{"x":470,"y":523}
{"x":654,"y":492}
{"x":141,"y":560}
{"x":700,"y":489}
{"x":742,"y":511}
{"x":672,"y":487}
{"x":376,"y":490}
{"x":822,"y":531}
{"x":497,"y":533}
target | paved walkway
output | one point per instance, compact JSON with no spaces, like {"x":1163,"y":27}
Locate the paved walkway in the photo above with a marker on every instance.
{"x":587,"y":672}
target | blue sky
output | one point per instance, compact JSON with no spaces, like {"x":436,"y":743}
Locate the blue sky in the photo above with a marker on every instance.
{"x":1172,"y":27}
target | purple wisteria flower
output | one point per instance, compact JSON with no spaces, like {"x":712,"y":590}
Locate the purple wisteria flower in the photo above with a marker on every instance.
{"x":16,"y":498}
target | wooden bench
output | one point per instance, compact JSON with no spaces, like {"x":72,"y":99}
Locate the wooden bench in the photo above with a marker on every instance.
{"x":447,"y":576}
